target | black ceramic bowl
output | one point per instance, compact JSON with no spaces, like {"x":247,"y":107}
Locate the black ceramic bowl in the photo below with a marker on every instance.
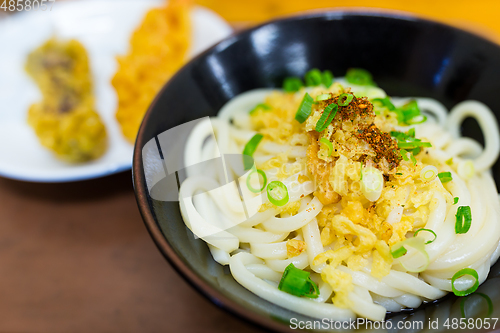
{"x":407,"y":56}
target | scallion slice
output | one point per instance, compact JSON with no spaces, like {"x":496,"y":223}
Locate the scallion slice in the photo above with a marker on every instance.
{"x":418,"y":244}
{"x":428,"y":230}
{"x":428,"y":173}
{"x":264,"y":180}
{"x":410,"y":110}
{"x":416,"y":151}
{"x":413,"y":159}
{"x":292,"y":84}
{"x":305,"y":108}
{"x":463,"y":220}
{"x":410,"y":114}
{"x":399,"y":252}
{"x":445,"y":177}
{"x":298,"y":282}
{"x":323,"y":97}
{"x":250,"y":148}
{"x":404,"y":154}
{"x":465,"y":169}
{"x":360,"y":77}
{"x":459,"y":274}
{"x":488,"y":301}
{"x":327,"y":78}
{"x":455,"y":200}
{"x":386,"y":101}
{"x":261,"y":106}
{"x":372,"y":183}
{"x":413,"y":144}
{"x":345,"y":99}
{"x":327,"y":117}
{"x":328,"y":145}
{"x":417,"y":120}
{"x":313,"y":78}
{"x":277,"y":193}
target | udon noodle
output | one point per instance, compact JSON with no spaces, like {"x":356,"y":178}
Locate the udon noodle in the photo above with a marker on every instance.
{"x":369,"y":247}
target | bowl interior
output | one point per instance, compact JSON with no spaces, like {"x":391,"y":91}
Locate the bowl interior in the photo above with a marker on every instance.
{"x":407,"y":57}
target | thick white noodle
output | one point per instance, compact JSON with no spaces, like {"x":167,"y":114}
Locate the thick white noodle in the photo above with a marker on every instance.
{"x":325,"y":291}
{"x":288,"y":224}
{"x":301,"y":261}
{"x":312,"y":237}
{"x":232,"y":234}
{"x":266,"y":291}
{"x":488,"y":125}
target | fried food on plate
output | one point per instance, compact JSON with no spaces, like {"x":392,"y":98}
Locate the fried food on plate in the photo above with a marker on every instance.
{"x":158,"y":48}
{"x":65,"y":120}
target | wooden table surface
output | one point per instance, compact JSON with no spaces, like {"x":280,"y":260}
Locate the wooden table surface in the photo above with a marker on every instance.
{"x":76,"y":257}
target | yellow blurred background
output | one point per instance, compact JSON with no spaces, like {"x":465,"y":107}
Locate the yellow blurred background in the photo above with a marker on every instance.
{"x":481,"y":17}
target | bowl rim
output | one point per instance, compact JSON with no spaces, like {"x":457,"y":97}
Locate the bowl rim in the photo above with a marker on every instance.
{"x":139,"y":183}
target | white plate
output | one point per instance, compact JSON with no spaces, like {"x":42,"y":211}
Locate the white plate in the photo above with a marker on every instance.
{"x":104,"y":28}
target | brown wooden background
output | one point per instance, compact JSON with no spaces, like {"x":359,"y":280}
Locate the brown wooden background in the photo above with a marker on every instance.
{"x":77,"y":257}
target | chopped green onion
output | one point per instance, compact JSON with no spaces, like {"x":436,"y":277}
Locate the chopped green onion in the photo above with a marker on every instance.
{"x":327,"y":117}
{"x":292,"y":84}
{"x":455,"y":200}
{"x":360,"y":77}
{"x":428,"y":230}
{"x":418,"y":244}
{"x":449,"y":161}
{"x":463,"y":220}
{"x":399,"y":252}
{"x":465,"y":169}
{"x":399,"y":174}
{"x":445,"y":177}
{"x":459,"y":274}
{"x":344,"y":102}
{"x":413,"y":144}
{"x":305,"y":108}
{"x":298,"y":282}
{"x":372,"y":183}
{"x":250,"y":148}
{"x":277,"y":193}
{"x":486,"y":297}
{"x":327,"y":78}
{"x":416,"y":151}
{"x":409,"y":114}
{"x":260,"y":106}
{"x":403,"y":137}
{"x":410,"y":110}
{"x":413,"y":159}
{"x":323,"y":97}
{"x":428,"y":173}
{"x":328,"y":145}
{"x":313,"y":78}
{"x":403,"y":154}
{"x":417,"y":120}
{"x":386,"y":101}
{"x":264,"y":180}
